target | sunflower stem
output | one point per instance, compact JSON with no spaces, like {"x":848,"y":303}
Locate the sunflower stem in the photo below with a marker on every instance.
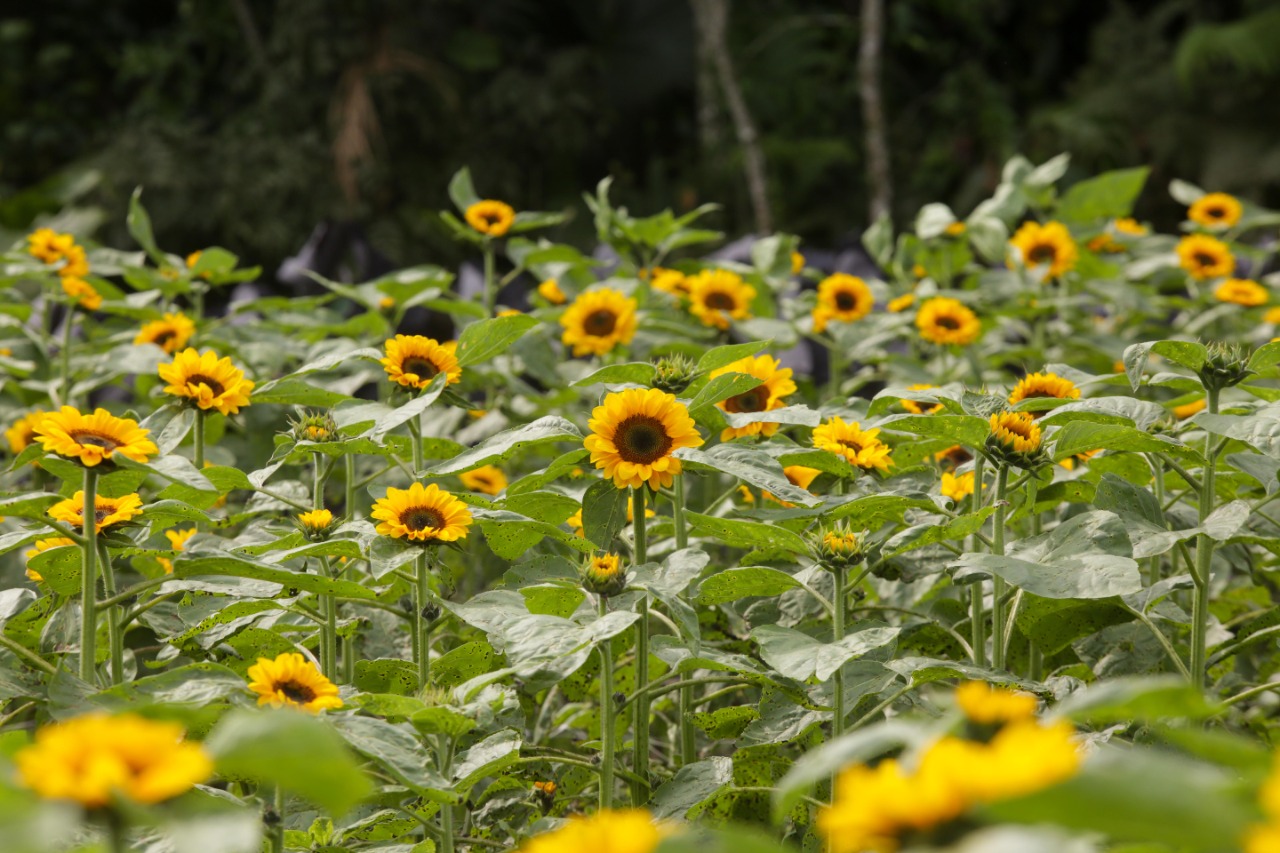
{"x":997,"y":582}
{"x":89,"y":579}
{"x":1035,"y":657}
{"x":977,"y":626}
{"x":640,"y":753}
{"x":490,"y":289}
{"x":607,"y":726}
{"x":198,"y":439}
{"x":422,"y":628}
{"x":329,"y":633}
{"x":1202,"y":569}
{"x":444,"y":748}
{"x":840,"y":577}
{"x":349,"y":507}
{"x":117,"y":841}
{"x":115,"y":628}
{"x":65,"y":356}
{"x":688,"y":737}
{"x":276,"y":828}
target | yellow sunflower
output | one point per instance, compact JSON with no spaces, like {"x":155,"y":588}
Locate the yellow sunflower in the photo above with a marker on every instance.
{"x":943,"y":320}
{"x":901,"y":303}
{"x":1130,"y":226}
{"x":957,"y":486}
{"x":841,"y":297}
{"x":797,"y":263}
{"x":597,"y":321}
{"x":718,"y":296}
{"x":1205,"y":257}
{"x":1016,"y":431}
{"x":491,"y":217}
{"x":1047,"y":247}
{"x":40,"y":546}
{"x":673,"y":282}
{"x":424,"y":515}
{"x":1241,"y":291}
{"x":49,"y":246}
{"x":96,"y":758}
{"x":1043,"y":385}
{"x":315,"y":523}
{"x":982,"y":703}
{"x":916,"y":408}
{"x":604,"y":574}
{"x":606,"y":831}
{"x":292,"y":680}
{"x":107,"y":512}
{"x":848,"y":440}
{"x":90,"y":439}
{"x":487,"y":479}
{"x":207,"y":381}
{"x":170,"y":333}
{"x":1215,"y":210}
{"x":953,"y":457}
{"x":550,"y":291}
{"x":762,"y":398}
{"x":633,"y":434}
{"x":84,"y":293}
{"x":23,"y":431}
{"x":413,"y":361}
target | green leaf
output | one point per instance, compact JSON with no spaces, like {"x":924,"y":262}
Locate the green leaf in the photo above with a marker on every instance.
{"x":461,"y":191}
{"x":745,"y":534}
{"x":752,"y":466}
{"x":968,"y":430}
{"x":878,"y":241}
{"x":1260,"y":430}
{"x":1055,"y":623}
{"x":199,"y":564}
{"x":29,"y":505}
{"x":139,"y":225}
{"x":745,"y":582}
{"x":631,"y":373}
{"x":801,"y":657}
{"x":722,"y":356}
{"x":197,"y":684}
{"x":412,"y":409}
{"x":508,"y":442}
{"x":1189,"y":354}
{"x":396,"y":748}
{"x":692,"y":784}
{"x":442,"y":721}
{"x":1106,"y":196}
{"x":483,"y":340}
{"x":1143,"y":699}
{"x":1082,"y":437}
{"x":722,"y":387}
{"x":604,"y":512}
{"x":930,"y":533}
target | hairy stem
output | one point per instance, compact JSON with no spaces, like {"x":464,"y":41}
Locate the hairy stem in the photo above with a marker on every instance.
{"x":640,"y":753}
{"x":89,"y":579}
{"x":607,"y":726}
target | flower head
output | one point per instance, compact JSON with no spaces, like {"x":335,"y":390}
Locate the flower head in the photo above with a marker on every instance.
{"x":1048,"y":248}
{"x":1035,"y":386}
{"x":797,"y":263}
{"x":943,"y":320}
{"x":318,"y":427}
{"x":95,"y":758}
{"x":1015,"y":439}
{"x":717,"y":296}
{"x":292,"y":680}
{"x":957,"y":486}
{"x":1241,"y":291}
{"x":1215,"y":210}
{"x":39,"y":547}
{"x":921,"y":409}
{"x":614,"y":831}
{"x":487,"y":479}
{"x":633,"y":434}
{"x":170,"y":333}
{"x":550,"y":291}
{"x":775,"y":384}
{"x":597,"y":321}
{"x":422,"y":514}
{"x":841,"y":297}
{"x":604,"y":575}
{"x":489,"y":217}
{"x":316,"y":523}
{"x":840,"y":546}
{"x":901,"y":303}
{"x":858,"y":446}
{"x":413,"y":361}
{"x":953,"y":457}
{"x":23,"y":431}
{"x":84,"y":294}
{"x":1129,"y":226}
{"x":49,"y":246}
{"x":90,"y":439}
{"x":206,"y":381}
{"x":982,"y":703}
{"x":670,"y":281}
{"x":1205,"y":257}
{"x":673,"y":373}
{"x":107,"y":512}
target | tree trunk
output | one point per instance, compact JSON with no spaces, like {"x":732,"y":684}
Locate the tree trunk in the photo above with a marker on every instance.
{"x":879,"y":176}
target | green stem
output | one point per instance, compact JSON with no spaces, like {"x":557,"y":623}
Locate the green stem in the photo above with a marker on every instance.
{"x":329,"y":648}
{"x":997,"y":582}
{"x":1035,"y":657}
{"x":1204,"y":555}
{"x":422,"y":628}
{"x":348,"y":507}
{"x":977,"y":625}
{"x":65,"y":386}
{"x":688,"y":737}
{"x":89,"y":580}
{"x":607,"y":725}
{"x":115,"y":629}
{"x":275,"y":835}
{"x":640,"y":751}
{"x":490,"y":290}
{"x":838,"y":599}
{"x":445,"y":751}
{"x":27,"y":655}
{"x":199,"y":439}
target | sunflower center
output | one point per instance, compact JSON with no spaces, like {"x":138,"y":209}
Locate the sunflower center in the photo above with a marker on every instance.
{"x":1215,"y":212}
{"x":1039,"y":394}
{"x":100,"y":515}
{"x":641,"y":439}
{"x":295,"y":692}
{"x":600,"y":323}
{"x":420,"y":366}
{"x":852,"y":443}
{"x":957,"y":456}
{"x":491,"y":217}
{"x":1205,"y":259}
{"x":200,"y":379}
{"x":422,"y":517}
{"x":163,"y":338}
{"x":721,"y":301}
{"x":749,"y":401}
{"x":945,"y":322}
{"x":1043,"y":253}
{"x":95,"y":439}
{"x":845,"y":301}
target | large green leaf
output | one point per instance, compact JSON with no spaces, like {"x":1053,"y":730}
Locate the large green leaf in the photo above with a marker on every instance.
{"x":801,"y":657}
{"x":752,"y":466}
{"x":483,"y":340}
{"x":744,"y":582}
{"x":509,"y":442}
{"x":745,"y":534}
{"x":1106,"y":196}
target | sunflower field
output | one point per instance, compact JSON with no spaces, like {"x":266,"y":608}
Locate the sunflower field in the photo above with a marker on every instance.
{"x":675,"y":553}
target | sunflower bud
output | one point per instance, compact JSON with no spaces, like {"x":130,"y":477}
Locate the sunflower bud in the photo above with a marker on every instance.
{"x":839,"y":547}
{"x":1015,"y":441}
{"x":1224,"y":365}
{"x":316,"y":525}
{"x":315,"y":426}
{"x":674,"y":373}
{"x":604,"y":575}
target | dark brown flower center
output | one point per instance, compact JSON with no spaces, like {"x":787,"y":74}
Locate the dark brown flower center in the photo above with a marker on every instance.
{"x":295,"y":692}
{"x":641,"y":439}
{"x":94,"y":439}
{"x":420,"y":366}
{"x":163,"y":338}
{"x":1044,"y":253}
{"x":421,"y":517}
{"x":754,"y":400}
{"x":1215,"y":212}
{"x":721,"y":301}
{"x":955,"y":457}
{"x":100,"y":515}
{"x":946,"y":322}
{"x":845,"y":301}
{"x":851,"y":443}
{"x":600,"y":323}
{"x":1205,"y":259}
{"x":491,"y":217}
{"x":200,"y":379}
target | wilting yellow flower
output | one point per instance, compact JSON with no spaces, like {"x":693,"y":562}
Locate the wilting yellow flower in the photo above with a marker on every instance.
{"x":957,"y":486}
{"x":422,"y":514}
{"x":550,"y":291}
{"x":170,"y":333}
{"x":292,"y":680}
{"x":1047,"y":247}
{"x":106,"y":511}
{"x":1205,"y":257}
{"x":763,"y":398}
{"x":1043,"y":385}
{"x":487,"y":479}
{"x":39,"y":547}
{"x":604,"y":574}
{"x":89,"y":439}
{"x":915,"y":408}
{"x":985,"y":704}
{"x":413,"y":361}
{"x":84,"y":293}
{"x":633,"y":434}
{"x":901,"y":303}
{"x":943,"y":320}
{"x":1130,"y":226}
{"x":1241,"y":291}
{"x":177,"y":542}
{"x":315,"y":523}
{"x":955,"y":229}
{"x":717,"y":296}
{"x":95,"y":758}
{"x":606,"y":831}
{"x":1016,"y":431}
{"x":597,"y":321}
{"x":207,"y":381}
{"x":797,"y":263}
{"x":858,"y":446}
{"x":953,"y":457}
{"x":491,"y":217}
{"x":841,"y":297}
{"x":23,"y":431}
{"x":1215,"y":210}
{"x":1186,"y":410}
{"x":669,"y":281}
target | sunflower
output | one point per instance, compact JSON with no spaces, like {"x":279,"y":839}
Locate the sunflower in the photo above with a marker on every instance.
{"x":1241,"y":291}
{"x":294,"y":681}
{"x":550,"y":291}
{"x":1015,"y":431}
{"x":177,"y":542}
{"x":605,"y":575}
{"x":717,"y":296}
{"x":988,"y":705}
{"x":841,"y":297}
{"x":953,"y":457}
{"x":1215,"y":210}
{"x":848,"y":440}
{"x":797,"y":263}
{"x":490,"y":217}
{"x":487,"y":479}
{"x":943,"y":320}
{"x":39,"y":547}
{"x":413,"y":361}
{"x":901,"y":303}
{"x":597,"y":321}
{"x":23,"y":431}
{"x":1129,"y":226}
{"x":82,"y":292}
{"x":917,"y":409}
{"x":1047,"y":247}
{"x":107,"y":512}
{"x":92,"y":438}
{"x":612,"y":830}
{"x":95,"y":758}
{"x":424,"y":515}
{"x":957,"y":486}
{"x":49,"y":246}
{"x":633,"y":434}
{"x":207,"y":381}
{"x":1043,"y":385}
{"x":673,"y":282}
{"x":1081,"y":458}
{"x":1205,"y":257}
{"x":170,"y":333}
{"x":762,"y":398}
{"x":315,"y":523}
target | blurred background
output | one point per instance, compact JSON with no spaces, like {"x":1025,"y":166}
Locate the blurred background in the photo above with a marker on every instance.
{"x":249,"y":122}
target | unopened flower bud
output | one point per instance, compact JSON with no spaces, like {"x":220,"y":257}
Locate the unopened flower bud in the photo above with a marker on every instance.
{"x":674,"y":373}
